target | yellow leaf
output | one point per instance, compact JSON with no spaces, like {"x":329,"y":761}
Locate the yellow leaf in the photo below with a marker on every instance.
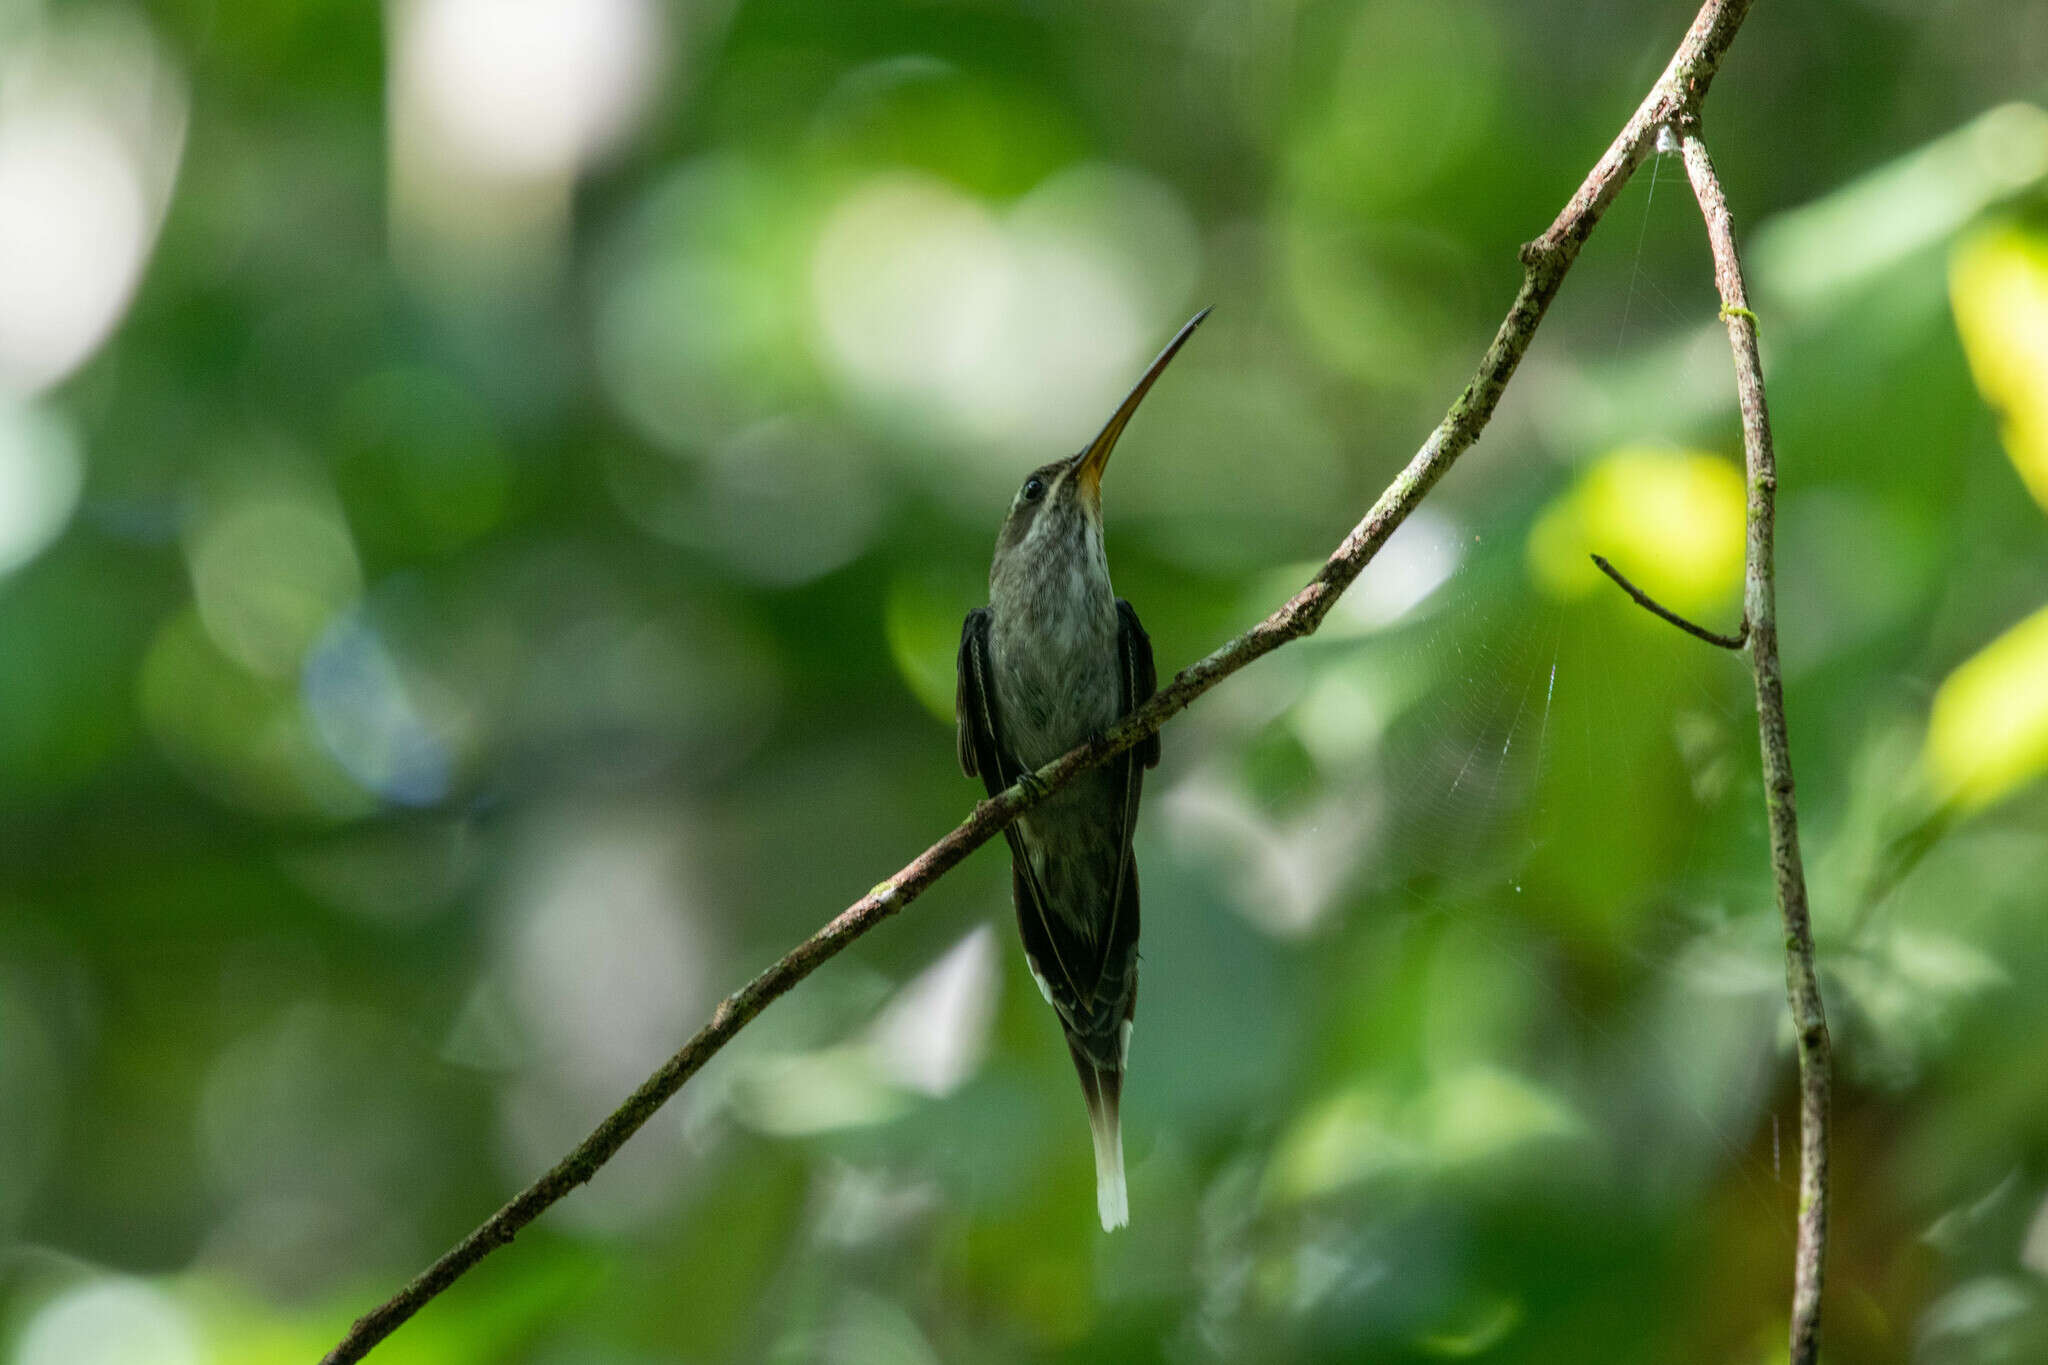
{"x":1998,"y":288}
{"x":1989,"y":730}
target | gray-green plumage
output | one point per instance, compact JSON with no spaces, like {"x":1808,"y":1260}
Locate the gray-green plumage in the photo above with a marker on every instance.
{"x":1055,"y":658}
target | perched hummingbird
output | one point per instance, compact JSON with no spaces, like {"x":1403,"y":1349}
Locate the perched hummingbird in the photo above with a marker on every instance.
{"x":1054,"y":658}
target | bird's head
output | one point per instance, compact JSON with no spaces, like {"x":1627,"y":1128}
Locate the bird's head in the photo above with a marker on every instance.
{"x":1063,"y":500}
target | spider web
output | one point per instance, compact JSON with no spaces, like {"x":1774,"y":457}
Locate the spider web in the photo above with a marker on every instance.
{"x":1482,"y":771}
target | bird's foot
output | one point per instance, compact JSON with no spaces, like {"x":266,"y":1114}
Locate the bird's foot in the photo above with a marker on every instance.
{"x":1032,"y":788}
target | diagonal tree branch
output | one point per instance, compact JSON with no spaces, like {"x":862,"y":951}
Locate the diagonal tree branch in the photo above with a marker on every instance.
{"x":1678,"y":92}
{"x":1760,"y":614}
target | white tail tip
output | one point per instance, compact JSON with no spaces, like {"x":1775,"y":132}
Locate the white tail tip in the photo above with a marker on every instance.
{"x":1111,"y":1199}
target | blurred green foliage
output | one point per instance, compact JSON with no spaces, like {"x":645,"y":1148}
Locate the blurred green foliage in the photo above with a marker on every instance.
{"x":487,"y":496}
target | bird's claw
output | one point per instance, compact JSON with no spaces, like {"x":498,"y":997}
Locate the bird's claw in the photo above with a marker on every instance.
{"x":1033,"y":789}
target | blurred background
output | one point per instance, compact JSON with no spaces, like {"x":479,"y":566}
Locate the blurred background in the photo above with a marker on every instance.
{"x":488,"y":493}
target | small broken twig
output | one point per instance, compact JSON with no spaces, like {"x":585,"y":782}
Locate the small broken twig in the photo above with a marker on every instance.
{"x":1656,"y":608}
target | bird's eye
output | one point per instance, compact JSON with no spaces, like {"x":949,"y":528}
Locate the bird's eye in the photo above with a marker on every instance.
{"x":1034,"y":488}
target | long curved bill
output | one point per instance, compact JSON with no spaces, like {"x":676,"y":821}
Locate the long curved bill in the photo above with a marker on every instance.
{"x":1095,"y":458}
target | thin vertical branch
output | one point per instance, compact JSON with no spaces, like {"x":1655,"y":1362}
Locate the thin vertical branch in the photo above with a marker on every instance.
{"x":1760,"y":611}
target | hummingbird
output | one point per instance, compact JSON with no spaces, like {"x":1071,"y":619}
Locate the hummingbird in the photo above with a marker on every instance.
{"x":1053,"y":659}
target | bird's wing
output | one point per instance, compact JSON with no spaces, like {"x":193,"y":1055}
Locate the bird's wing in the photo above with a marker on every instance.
{"x":974,"y":705}
{"x":1141,"y":679}
{"x":983,"y":754}
{"x":1138,"y":679}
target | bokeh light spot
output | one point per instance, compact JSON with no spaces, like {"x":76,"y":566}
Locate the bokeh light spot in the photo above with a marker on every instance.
{"x":1672,"y":520}
{"x":110,"y":1322}
{"x":365,"y":711}
{"x":269,"y":573}
{"x":933,"y":1034}
{"x":1822,"y":254}
{"x":1482,"y":1112}
{"x":496,"y":106}
{"x":1012,"y":332}
{"x":240,"y":736}
{"x":72,"y":230}
{"x":703,"y":320}
{"x":603,"y":959}
{"x":1347,"y":1138}
{"x":90,"y":134}
{"x":801,"y":1094}
{"x":913,"y":285}
{"x":1422,"y":554}
{"x":525,"y":88}
{"x":1998,"y":287}
{"x":41,"y":472}
{"x":1477,"y":1330}
{"x":782,"y":502}
{"x":1988,"y":733}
